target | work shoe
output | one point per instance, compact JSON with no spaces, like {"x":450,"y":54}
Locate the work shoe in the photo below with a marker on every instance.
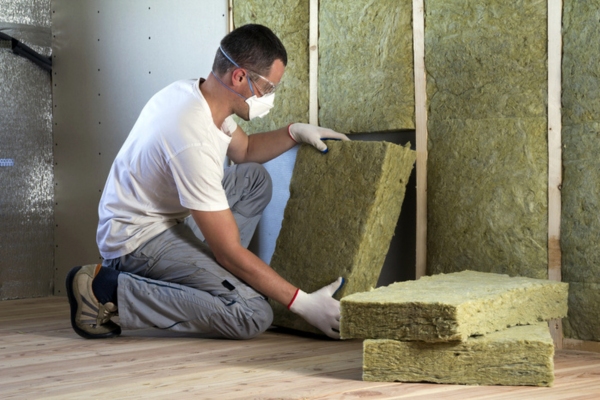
{"x":89,"y":318}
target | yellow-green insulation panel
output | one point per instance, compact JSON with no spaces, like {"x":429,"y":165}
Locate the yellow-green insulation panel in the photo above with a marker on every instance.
{"x":487,"y":124}
{"x":451,"y":307}
{"x":365,"y":66}
{"x":366,"y":78}
{"x":580,"y":225}
{"x":288,"y":19}
{"x":522,"y":355}
{"x":340,"y":218}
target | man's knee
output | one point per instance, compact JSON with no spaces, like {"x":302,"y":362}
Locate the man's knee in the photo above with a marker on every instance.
{"x":260,"y":182}
{"x":257,"y":188}
{"x":260,"y":320}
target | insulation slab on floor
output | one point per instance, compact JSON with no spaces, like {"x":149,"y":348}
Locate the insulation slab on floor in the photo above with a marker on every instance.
{"x":340,"y":218}
{"x":521,"y":355}
{"x":451,"y":307}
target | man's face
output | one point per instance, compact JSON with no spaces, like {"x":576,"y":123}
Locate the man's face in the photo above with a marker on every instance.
{"x":261,"y":86}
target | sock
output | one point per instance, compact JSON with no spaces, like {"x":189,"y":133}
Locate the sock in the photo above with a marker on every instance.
{"x":105,"y":285}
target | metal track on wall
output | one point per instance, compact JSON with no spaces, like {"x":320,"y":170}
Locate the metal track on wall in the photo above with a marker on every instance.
{"x":25,"y":51}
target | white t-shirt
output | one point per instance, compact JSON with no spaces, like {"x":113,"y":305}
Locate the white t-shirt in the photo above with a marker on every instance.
{"x":172,"y":161}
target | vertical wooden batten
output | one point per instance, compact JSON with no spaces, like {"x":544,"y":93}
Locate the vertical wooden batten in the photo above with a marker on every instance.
{"x":230,"y":15}
{"x":554,"y":152}
{"x":313,"y":64}
{"x":421,"y":134}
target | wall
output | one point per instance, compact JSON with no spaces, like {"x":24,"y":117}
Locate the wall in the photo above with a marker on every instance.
{"x":26,"y":197}
{"x":487,"y":123}
{"x":580,"y":234}
{"x":486,"y":80}
{"x":289,"y":20}
{"x":366,"y":77}
{"x":110,"y":58}
{"x":366,"y":88}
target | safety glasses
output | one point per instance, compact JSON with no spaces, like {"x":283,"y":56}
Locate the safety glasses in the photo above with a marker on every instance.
{"x":266,"y":86}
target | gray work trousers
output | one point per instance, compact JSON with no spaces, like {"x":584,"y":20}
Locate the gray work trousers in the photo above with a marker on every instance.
{"x":173,"y":281}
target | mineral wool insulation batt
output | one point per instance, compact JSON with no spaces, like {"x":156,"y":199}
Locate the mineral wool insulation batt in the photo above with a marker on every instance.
{"x":451,"y":307}
{"x":487,"y":123}
{"x":580,"y":225}
{"x":521,"y":355}
{"x":340,"y":218}
{"x":289,"y":20}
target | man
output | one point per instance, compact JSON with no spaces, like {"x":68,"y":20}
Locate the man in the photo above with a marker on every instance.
{"x":174,"y":225}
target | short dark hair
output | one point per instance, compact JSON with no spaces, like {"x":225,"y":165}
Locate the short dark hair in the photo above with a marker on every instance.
{"x":251,"y":46}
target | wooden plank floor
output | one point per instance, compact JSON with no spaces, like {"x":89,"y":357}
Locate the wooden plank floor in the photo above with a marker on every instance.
{"x":41,"y":357}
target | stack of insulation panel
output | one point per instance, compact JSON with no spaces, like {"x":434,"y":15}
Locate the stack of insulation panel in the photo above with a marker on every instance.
{"x":467,"y":328}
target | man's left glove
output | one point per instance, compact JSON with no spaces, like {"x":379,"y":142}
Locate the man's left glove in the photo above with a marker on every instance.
{"x":319,"y":308}
{"x":311,"y":134}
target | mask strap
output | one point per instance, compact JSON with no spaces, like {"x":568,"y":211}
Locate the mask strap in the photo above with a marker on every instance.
{"x":236,"y":64}
{"x":229,"y":58}
{"x":223,"y":83}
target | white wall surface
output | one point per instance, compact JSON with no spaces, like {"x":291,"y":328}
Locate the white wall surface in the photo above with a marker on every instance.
{"x":110,"y":57}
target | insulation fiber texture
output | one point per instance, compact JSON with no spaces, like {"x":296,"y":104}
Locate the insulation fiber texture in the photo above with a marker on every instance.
{"x":366,"y":78}
{"x":487,"y":125}
{"x":522,"y":355}
{"x":340,"y":218}
{"x":580,"y":225}
{"x":288,"y":19}
{"x":451,"y":307}
{"x":583,"y":322}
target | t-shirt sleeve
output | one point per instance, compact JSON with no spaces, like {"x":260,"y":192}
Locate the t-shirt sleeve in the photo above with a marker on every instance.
{"x":229,"y":126}
{"x":198,"y":174}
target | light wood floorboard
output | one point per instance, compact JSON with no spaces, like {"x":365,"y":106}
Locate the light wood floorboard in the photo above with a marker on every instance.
{"x":42,"y":358}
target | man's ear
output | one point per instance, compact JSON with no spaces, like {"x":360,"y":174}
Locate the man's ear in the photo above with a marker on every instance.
{"x":238,"y":76}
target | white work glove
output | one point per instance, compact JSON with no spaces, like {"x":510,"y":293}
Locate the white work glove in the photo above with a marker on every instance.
{"x":311,"y":134}
{"x":319,"y":308}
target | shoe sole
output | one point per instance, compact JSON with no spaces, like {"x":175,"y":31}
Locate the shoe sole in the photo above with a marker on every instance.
{"x":73,"y":304}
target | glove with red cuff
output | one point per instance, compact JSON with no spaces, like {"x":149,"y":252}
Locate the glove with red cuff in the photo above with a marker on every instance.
{"x":319,"y":308}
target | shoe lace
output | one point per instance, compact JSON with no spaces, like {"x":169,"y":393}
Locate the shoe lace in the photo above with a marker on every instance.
{"x":105,"y":312}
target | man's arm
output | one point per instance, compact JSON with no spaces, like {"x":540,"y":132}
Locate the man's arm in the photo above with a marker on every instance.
{"x":222,"y":235}
{"x":262,"y":147}
{"x":319,"y":308}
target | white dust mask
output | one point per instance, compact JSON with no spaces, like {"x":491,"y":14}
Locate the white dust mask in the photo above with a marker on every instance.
{"x":260,"y":106}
